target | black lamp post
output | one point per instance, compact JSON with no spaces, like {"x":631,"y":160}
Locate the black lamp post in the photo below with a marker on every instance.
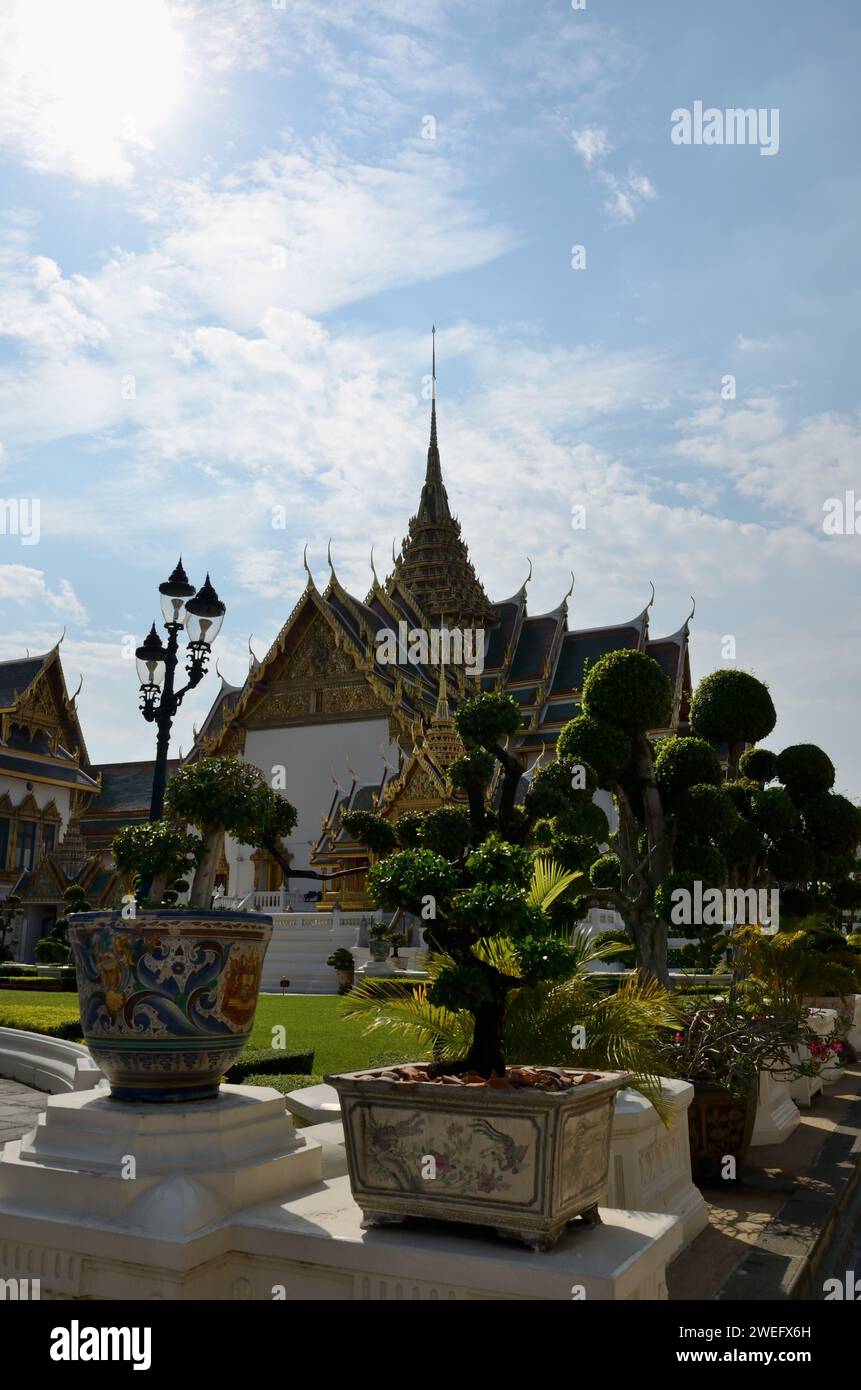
{"x":201,"y":614}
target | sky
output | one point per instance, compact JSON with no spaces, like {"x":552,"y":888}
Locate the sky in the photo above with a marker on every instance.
{"x":227,"y":228}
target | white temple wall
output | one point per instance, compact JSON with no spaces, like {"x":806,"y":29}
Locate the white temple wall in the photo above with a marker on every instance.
{"x":309,"y":754}
{"x":43,"y":793}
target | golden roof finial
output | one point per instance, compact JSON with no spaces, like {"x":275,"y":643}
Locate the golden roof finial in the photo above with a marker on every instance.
{"x":310,"y":583}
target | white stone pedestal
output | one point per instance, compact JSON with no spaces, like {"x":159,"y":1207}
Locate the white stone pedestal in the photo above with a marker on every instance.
{"x":226,"y":1202}
{"x":105,"y":1199}
{"x":776,"y":1112}
{"x":804,"y":1088}
{"x":824,"y":1022}
{"x":650,"y":1166}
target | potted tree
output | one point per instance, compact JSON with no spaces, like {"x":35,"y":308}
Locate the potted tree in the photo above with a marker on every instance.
{"x":168,"y":992}
{"x":522,"y":1149}
{"x":341,"y":961}
{"x":721,"y":1050}
{"x":379,"y":941}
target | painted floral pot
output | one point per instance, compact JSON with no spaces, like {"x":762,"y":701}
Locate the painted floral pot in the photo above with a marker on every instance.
{"x":167,"y":997}
{"x":524,"y":1162}
{"x":720,"y":1125}
{"x":379,"y":948}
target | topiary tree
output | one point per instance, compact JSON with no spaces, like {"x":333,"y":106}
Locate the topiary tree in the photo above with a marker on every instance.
{"x":668,"y":798}
{"x":799,"y":838}
{"x":467,"y":874}
{"x":221,"y":796}
{"x":733,"y":708}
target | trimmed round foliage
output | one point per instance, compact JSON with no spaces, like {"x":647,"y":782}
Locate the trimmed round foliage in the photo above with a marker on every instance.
{"x":551,"y":790}
{"x":472,"y":770}
{"x":404,"y":879}
{"x":408,"y":829}
{"x":485,"y":720}
{"x":606,"y":872}
{"x":543,"y":833}
{"x":701,"y":860}
{"x":584,"y":820}
{"x":599,"y":744}
{"x":622,"y":943}
{"x":739,"y":793}
{"x":628,"y":689}
{"x":574,"y":853}
{"x":496,"y":861}
{"x":791,"y":859}
{"x":369,"y":830}
{"x":805,"y":770}
{"x":759,"y":764}
{"x":685,"y":762}
{"x":832,"y":823}
{"x":732,"y":707}
{"x":773,"y":812}
{"x":447,"y":831}
{"x":704,"y":811}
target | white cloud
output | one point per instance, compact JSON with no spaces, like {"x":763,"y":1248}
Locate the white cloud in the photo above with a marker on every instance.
{"x":23,"y":584}
{"x":590,"y":144}
{"x":626,"y":195}
{"x":84,"y":87}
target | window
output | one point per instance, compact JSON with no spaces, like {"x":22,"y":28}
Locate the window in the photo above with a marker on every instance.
{"x":25,"y":844}
{"x":5,"y":826}
{"x":49,"y":836}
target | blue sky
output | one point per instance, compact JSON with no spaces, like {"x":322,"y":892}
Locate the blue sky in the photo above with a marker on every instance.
{"x":237,"y":206}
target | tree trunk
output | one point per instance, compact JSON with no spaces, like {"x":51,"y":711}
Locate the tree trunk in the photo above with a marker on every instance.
{"x":485,"y":1054}
{"x":650,"y":937}
{"x":204,"y":875}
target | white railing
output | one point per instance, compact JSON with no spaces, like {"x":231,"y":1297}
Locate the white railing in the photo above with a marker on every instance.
{"x":280,"y":900}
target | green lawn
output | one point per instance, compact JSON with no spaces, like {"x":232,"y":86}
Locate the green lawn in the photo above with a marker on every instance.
{"x":311,"y":1021}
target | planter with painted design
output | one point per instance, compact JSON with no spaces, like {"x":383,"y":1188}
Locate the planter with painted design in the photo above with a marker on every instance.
{"x":167,"y":997}
{"x":524,"y":1162}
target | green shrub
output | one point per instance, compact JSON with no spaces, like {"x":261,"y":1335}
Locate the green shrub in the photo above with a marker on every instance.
{"x":269,"y":1062}
{"x":10,"y":970}
{"x":285,"y":1082}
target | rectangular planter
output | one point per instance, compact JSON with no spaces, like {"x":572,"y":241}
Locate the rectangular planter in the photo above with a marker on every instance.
{"x":524,"y":1162}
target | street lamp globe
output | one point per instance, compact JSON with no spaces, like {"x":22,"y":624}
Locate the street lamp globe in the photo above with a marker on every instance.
{"x":204,"y":616}
{"x":175,"y":593}
{"x":151,"y":657}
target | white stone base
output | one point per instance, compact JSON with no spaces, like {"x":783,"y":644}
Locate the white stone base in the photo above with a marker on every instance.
{"x":824,"y":1022}
{"x":205,"y":1217}
{"x":776,"y":1112}
{"x":803,"y":1089}
{"x":650,"y":1166}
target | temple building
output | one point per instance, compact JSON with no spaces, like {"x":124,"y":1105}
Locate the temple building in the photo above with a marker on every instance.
{"x":342,"y":692}
{"x":46,"y":781}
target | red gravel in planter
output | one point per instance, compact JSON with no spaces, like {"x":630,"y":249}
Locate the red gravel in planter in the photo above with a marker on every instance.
{"x":516,"y":1078}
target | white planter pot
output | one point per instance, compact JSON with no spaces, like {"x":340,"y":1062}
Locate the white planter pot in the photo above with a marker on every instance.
{"x":650,"y":1166}
{"x":824,"y":1022}
{"x":848,"y":1008}
{"x":524,"y":1162}
{"x":776,"y":1112}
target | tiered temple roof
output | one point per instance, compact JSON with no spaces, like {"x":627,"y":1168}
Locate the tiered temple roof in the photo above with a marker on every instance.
{"x":324,"y":665}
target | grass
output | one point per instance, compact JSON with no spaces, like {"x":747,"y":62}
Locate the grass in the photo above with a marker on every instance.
{"x":311,"y":1022}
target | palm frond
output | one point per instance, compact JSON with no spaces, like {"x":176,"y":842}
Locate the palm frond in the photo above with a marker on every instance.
{"x":408,"y":1013}
{"x":549,"y":881}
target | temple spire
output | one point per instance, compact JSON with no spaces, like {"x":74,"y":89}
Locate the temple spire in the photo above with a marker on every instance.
{"x":434,"y":563}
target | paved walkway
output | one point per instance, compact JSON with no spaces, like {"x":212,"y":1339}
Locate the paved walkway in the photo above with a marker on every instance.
{"x":19,"y":1106}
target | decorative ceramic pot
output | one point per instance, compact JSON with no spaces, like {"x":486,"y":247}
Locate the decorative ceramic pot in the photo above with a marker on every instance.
{"x":379,"y":948}
{"x":525,"y":1162}
{"x":720,"y":1126}
{"x":345,"y":980}
{"x":167,"y":997}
